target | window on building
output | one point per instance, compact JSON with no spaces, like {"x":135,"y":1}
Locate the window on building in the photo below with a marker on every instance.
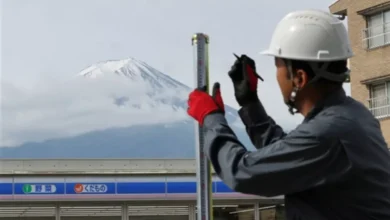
{"x":379,"y":99}
{"x":377,"y":33}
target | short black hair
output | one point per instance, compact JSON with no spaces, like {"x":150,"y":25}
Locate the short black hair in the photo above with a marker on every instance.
{"x":336,"y":67}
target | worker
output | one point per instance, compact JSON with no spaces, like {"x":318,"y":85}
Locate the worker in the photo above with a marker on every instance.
{"x":336,"y":164}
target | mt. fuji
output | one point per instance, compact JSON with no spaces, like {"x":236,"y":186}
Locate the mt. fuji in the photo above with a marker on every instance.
{"x":147,"y":112}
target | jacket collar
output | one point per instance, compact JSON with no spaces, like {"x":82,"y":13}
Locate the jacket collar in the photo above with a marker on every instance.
{"x":333,"y":98}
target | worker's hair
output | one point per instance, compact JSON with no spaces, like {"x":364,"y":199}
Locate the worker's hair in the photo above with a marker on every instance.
{"x":336,"y":67}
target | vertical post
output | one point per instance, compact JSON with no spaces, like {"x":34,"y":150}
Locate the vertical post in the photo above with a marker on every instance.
{"x":200,"y":43}
{"x":125,"y":212}
{"x":191,"y":212}
{"x":257,"y":211}
{"x":57,"y":212}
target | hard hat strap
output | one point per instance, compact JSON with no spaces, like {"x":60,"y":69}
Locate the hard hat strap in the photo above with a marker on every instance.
{"x":291,"y":100}
{"x":322,"y":72}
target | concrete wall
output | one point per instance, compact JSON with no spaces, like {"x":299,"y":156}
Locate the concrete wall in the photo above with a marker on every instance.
{"x":93,"y":166}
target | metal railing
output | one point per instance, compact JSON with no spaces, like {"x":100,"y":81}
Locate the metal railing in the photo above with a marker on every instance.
{"x":380,"y":106}
{"x":376,"y":36}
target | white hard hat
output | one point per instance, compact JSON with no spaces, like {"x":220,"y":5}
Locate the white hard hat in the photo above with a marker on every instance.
{"x":310,"y":35}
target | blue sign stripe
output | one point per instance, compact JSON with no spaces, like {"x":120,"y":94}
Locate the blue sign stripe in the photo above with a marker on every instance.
{"x":185,"y":187}
{"x":5,"y":188}
{"x":38,"y":188}
{"x":90,"y":188}
{"x":140,"y":188}
{"x":181,"y":187}
{"x":176,"y":187}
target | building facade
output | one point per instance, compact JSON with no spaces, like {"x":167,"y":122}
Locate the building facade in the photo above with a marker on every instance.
{"x":369,"y":32}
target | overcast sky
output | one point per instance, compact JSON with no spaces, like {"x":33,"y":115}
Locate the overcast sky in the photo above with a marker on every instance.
{"x":52,"y":40}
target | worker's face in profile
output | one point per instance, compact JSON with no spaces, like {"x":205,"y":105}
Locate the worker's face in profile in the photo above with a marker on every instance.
{"x":282,"y":75}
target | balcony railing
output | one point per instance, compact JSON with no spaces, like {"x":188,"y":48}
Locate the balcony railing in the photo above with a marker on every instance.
{"x":380,"y":106}
{"x":376,"y":36}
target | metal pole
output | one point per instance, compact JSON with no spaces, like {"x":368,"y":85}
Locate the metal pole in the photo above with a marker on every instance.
{"x":200,"y":43}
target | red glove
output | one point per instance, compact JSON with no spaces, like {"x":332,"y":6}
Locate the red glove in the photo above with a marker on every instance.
{"x":201,"y":104}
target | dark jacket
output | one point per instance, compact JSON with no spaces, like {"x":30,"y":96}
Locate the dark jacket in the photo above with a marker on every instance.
{"x":333,"y":166}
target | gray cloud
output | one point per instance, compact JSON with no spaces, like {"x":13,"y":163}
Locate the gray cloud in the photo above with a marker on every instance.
{"x":56,"y":109}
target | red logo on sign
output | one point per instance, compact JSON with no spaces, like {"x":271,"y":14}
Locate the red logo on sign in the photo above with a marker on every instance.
{"x":78,"y":188}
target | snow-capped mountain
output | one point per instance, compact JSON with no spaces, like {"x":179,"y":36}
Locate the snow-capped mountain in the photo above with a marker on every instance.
{"x":134,"y":84}
{"x":151,"y":123}
{"x":136,"y":71}
{"x":154,"y":89}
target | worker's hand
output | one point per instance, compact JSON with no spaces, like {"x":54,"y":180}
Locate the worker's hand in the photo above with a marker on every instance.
{"x":243,"y":75}
{"x":201,"y":104}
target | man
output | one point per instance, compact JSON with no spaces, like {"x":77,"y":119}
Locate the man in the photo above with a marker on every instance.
{"x":335,"y":165}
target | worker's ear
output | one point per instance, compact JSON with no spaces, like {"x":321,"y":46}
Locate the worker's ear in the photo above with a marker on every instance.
{"x":300,"y":78}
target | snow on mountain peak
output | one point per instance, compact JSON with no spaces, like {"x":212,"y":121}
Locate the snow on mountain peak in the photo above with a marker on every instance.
{"x":135,"y":86}
{"x":133,"y":69}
